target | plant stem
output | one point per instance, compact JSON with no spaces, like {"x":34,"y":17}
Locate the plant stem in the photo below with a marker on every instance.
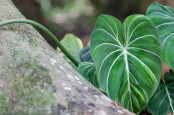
{"x":47,"y":32}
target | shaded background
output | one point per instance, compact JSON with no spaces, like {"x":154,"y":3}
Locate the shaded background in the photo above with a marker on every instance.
{"x":79,"y":16}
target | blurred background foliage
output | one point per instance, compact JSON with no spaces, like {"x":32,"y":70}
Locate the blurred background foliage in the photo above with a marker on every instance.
{"x":79,"y":16}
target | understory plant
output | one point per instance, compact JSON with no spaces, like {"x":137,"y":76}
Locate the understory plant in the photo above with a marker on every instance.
{"x":125,"y":60}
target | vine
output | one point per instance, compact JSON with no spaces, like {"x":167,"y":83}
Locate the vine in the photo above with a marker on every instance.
{"x":46,"y":31}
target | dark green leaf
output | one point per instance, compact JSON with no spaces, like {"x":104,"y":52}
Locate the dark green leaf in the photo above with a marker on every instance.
{"x":162,"y":101}
{"x":163,"y":19}
{"x":88,"y":71}
{"x":127,"y":59}
{"x":85,"y":55}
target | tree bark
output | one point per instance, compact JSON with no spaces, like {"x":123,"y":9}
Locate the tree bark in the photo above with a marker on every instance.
{"x":34,"y":79}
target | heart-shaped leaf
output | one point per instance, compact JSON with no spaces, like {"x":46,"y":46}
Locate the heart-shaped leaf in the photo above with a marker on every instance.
{"x":162,"y":101}
{"x":73,"y":44}
{"x":163,"y":19}
{"x":88,"y":71}
{"x":127,"y":59}
{"x":85,"y":55}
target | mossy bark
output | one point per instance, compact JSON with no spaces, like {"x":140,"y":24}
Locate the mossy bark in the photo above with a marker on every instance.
{"x":35,"y":80}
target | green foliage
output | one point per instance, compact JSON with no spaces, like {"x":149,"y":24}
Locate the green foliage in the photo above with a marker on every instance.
{"x":88,"y":70}
{"x":73,"y":44}
{"x":162,"y":101}
{"x":85,"y":54}
{"x":163,"y":19}
{"x":128,"y":59}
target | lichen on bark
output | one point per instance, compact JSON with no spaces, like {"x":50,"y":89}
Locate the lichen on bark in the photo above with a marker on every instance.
{"x":27,"y":88}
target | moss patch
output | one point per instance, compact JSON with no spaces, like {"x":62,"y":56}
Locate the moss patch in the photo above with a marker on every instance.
{"x":28,"y":89}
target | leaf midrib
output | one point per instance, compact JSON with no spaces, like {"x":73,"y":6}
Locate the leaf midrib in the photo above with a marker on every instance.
{"x":169,"y":99}
{"x":127,"y":68}
{"x":124,"y":48}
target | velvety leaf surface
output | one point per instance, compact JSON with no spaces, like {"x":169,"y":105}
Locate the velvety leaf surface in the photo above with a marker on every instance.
{"x":163,"y":19}
{"x":88,"y":71}
{"x":127,"y":59}
{"x":85,"y":55}
{"x":162,"y":101}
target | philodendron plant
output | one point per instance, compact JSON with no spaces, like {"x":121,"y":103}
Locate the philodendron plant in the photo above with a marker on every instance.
{"x":162,"y":101}
{"x":125,"y":60}
{"x":128,"y":59}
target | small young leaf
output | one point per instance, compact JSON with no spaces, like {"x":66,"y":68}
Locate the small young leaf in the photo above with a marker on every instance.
{"x":85,"y":55}
{"x":127,"y":59}
{"x":73,"y":44}
{"x":163,"y":19}
{"x":162,"y":101}
{"x":88,"y":71}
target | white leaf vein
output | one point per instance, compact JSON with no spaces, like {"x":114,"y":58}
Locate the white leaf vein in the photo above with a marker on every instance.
{"x":116,"y":37}
{"x":110,"y":70}
{"x":140,"y":38}
{"x":89,"y":70}
{"x":104,"y":44}
{"x":163,"y":24}
{"x":145,"y":66}
{"x":161,"y":14}
{"x":139,"y":86}
{"x":107,"y":57}
{"x":145,"y":51}
{"x":167,"y":38}
{"x":108,"y":34}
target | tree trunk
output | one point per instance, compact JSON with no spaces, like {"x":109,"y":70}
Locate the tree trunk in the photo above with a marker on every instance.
{"x":34,"y":79}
